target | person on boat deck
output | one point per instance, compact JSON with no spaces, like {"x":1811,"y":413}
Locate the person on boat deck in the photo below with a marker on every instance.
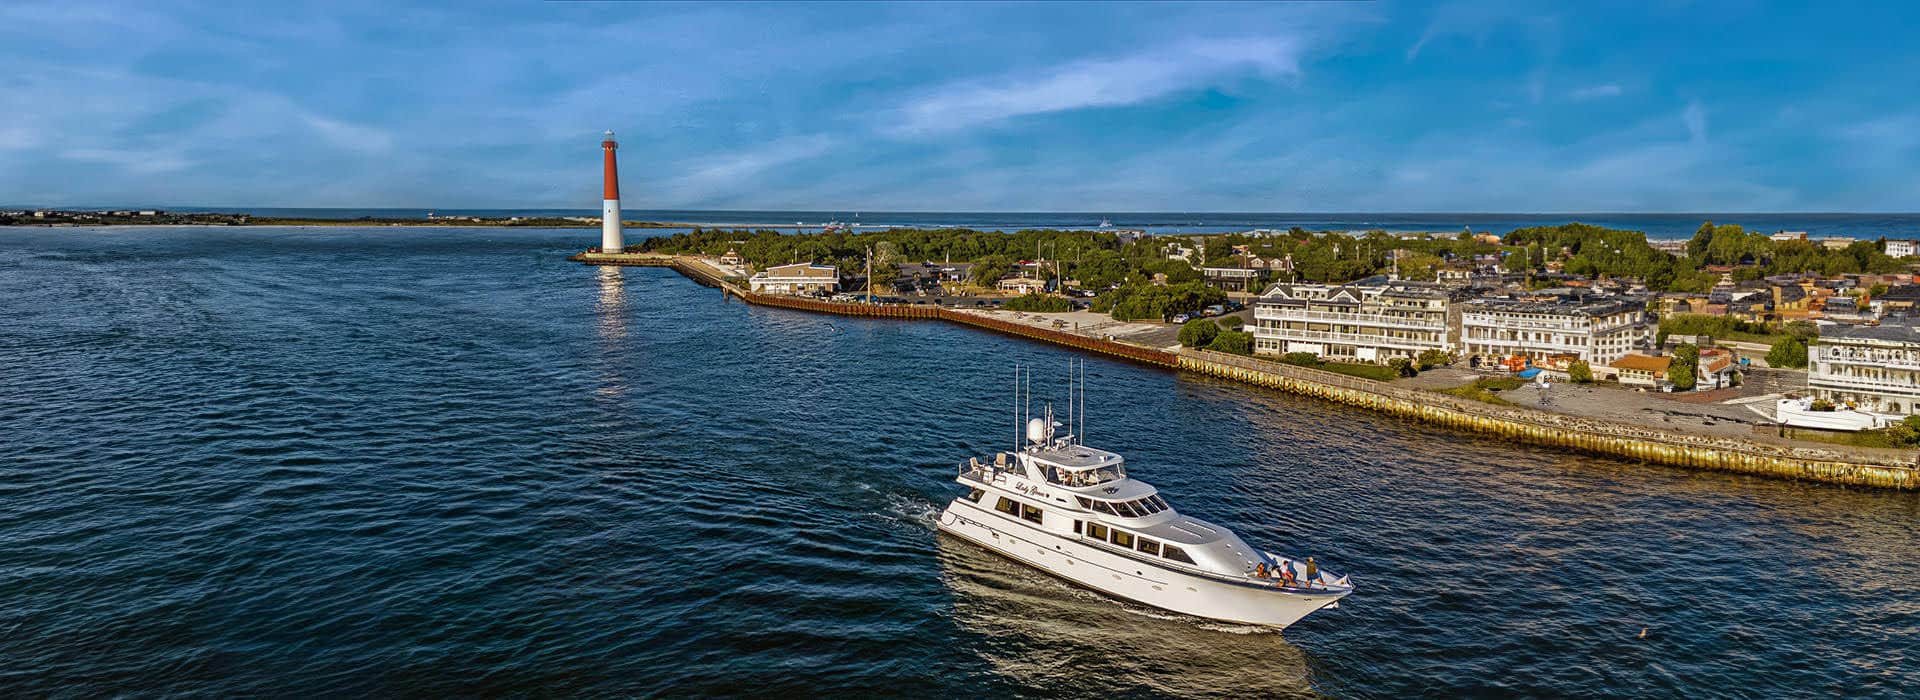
{"x":1260,"y":571}
{"x":1286,"y":572}
{"x":1313,"y":571}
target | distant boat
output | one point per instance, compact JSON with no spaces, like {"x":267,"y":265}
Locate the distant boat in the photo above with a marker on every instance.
{"x":1106,"y":223}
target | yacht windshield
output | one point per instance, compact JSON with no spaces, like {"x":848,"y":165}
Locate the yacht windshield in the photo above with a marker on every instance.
{"x":1091,"y":477}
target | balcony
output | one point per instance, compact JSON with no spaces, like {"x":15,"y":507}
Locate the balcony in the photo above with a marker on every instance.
{"x":1359,"y":339}
{"x":1383,"y":320}
{"x":1882,"y":385}
{"x":1881,"y":358}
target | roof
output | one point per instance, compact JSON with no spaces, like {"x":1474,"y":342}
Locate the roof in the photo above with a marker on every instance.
{"x":1643,"y":363}
{"x":1563,"y":305}
{"x":1077,"y":457}
{"x":802,"y":270}
{"x":1885,"y":333}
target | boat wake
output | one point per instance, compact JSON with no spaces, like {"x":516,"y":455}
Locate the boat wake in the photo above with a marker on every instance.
{"x":910,"y":510}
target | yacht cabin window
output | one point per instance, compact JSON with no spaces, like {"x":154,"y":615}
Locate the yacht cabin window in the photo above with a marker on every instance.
{"x":1096,"y":531}
{"x":1176,"y":554}
{"x":1148,"y":546}
{"x":1082,"y":479}
{"x":975,"y":495}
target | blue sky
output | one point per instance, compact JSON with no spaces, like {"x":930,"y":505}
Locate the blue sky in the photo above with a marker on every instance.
{"x":1462,"y":106}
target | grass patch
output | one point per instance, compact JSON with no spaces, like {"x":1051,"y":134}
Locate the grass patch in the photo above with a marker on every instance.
{"x":1375,"y":372}
{"x":1864,"y":438}
{"x":1487,"y":389}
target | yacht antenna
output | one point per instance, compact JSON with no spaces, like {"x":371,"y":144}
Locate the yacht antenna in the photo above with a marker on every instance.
{"x":1070,"y":426}
{"x":1016,"y":407}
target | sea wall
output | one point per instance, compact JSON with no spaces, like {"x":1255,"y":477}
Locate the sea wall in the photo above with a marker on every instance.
{"x":1593,"y":436}
{"x":1608,"y":438}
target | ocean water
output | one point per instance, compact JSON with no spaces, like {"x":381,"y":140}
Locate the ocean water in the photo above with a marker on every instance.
{"x":447,"y":462}
{"x":1656,"y":226}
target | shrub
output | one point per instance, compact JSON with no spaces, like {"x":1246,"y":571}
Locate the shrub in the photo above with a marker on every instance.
{"x":1821,"y":405}
{"x":1198,"y":332}
{"x":1231,"y":322}
{"x":1038,"y":303}
{"x":1304,"y":359}
{"x":1430,"y":359}
{"x":1236,"y":342}
{"x":1402,"y":367}
{"x":1580,"y":372}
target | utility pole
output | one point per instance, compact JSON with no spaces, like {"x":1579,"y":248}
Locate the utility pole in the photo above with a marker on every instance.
{"x":869,"y":275}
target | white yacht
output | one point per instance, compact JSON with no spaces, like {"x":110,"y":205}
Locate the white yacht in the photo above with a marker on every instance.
{"x":1071,"y":510}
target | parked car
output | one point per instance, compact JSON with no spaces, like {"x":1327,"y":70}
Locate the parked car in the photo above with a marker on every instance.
{"x":1181,"y":318}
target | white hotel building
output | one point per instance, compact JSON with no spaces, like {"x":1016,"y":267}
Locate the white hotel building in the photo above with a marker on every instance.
{"x":1371,"y":320}
{"x":1872,"y":368}
{"x":1598,"y":329}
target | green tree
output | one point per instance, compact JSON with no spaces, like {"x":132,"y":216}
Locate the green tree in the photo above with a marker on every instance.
{"x":1788,"y":353}
{"x":1236,"y":342}
{"x":1430,"y":359}
{"x":1580,"y":372}
{"x":1681,"y":376}
{"x":1198,"y":332}
{"x":988,"y":270}
{"x":1231,"y":322}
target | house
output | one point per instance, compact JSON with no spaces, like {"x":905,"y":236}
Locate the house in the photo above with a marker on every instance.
{"x":1789,"y":236}
{"x":732,"y":258}
{"x":1022,"y":285}
{"x":1635,"y":369}
{"x":1896,"y":300}
{"x":1903,"y":249}
{"x":1716,"y":369}
{"x":1835,"y":242}
{"x":1232,"y":279}
{"x":798,"y":278}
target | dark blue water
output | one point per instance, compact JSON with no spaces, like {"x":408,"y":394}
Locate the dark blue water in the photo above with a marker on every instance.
{"x":1656,"y":226}
{"x":447,"y":462}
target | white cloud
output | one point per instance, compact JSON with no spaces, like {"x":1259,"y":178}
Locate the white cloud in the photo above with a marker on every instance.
{"x":1099,"y":83}
{"x":708,"y":179}
{"x":1595,"y":92}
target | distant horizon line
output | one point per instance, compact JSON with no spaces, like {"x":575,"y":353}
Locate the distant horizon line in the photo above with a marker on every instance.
{"x":217,"y":208}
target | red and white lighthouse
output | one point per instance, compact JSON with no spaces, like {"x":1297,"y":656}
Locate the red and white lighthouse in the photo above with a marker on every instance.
{"x":610,"y":241}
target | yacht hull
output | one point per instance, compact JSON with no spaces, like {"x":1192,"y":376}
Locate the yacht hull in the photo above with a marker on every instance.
{"x":1124,"y":577}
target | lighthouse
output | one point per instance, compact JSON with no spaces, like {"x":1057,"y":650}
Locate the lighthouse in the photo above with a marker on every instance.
{"x":610,"y":205}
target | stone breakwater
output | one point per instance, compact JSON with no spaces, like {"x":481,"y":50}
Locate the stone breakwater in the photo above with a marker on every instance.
{"x":1600,"y":437}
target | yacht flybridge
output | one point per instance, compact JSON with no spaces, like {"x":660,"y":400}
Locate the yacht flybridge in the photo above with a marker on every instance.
{"x":1071,"y":510}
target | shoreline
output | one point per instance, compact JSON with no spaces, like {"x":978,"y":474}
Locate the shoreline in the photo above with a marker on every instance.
{"x":1831,"y":464}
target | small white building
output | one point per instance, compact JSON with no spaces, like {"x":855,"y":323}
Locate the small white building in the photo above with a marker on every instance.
{"x":1903,"y":249}
{"x":1022,"y":285}
{"x":798,"y":278}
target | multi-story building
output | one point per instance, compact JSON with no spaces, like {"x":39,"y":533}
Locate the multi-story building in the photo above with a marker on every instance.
{"x":1372,"y":320}
{"x":798,"y":278}
{"x":1599,"y":329}
{"x":1903,"y":249}
{"x":1871,"y":368}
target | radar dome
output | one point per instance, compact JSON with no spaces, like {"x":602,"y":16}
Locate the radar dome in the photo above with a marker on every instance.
{"x":1037,"y":430}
